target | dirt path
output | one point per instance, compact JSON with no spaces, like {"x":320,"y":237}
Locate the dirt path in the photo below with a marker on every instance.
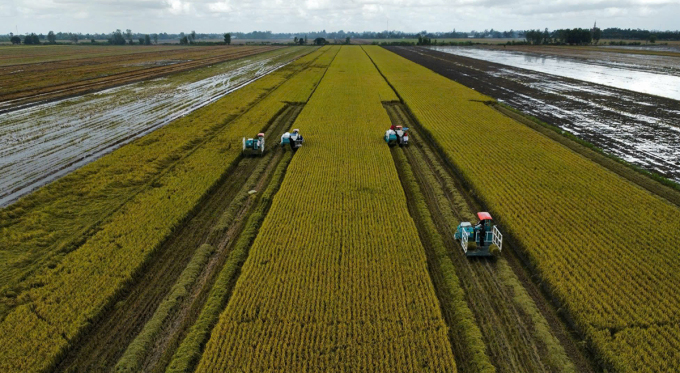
{"x":109,"y":337}
{"x":521,"y":330}
{"x":638,"y":128}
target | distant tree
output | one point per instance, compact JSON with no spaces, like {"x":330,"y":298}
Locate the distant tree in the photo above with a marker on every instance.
{"x":320,"y":41}
{"x":32,"y":39}
{"x":92,"y":41}
{"x":192,"y":37}
{"x":302,"y":41}
{"x":184,"y":40}
{"x":347,"y":40}
{"x":128,"y":36}
{"x":117,"y":38}
{"x":155,"y":38}
{"x":652,"y":38}
{"x":295,"y":40}
{"x":74,"y":38}
{"x":305,"y":39}
{"x":546,"y":36}
{"x":147,"y":39}
{"x":15,"y":40}
{"x":596,"y":34}
{"x":51,"y":38}
{"x":227,"y":38}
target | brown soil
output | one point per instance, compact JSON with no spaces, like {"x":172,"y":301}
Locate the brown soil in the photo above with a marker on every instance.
{"x":526,"y":91}
{"x":100,"y":73}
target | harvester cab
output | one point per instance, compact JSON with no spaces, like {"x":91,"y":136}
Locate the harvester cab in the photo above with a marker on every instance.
{"x":293,"y":139}
{"x":254,"y":145}
{"x":396,"y":136}
{"x":486,"y":236}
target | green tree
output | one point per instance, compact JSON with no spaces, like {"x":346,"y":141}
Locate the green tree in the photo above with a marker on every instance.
{"x":320,"y":41}
{"x":227,"y":38}
{"x":51,"y":38}
{"x":147,"y":39}
{"x":117,"y":38}
{"x":652,"y":38}
{"x":597,"y":34}
{"x":155,"y":38}
{"x":128,"y":36}
{"x":192,"y":37}
{"x":15,"y":40}
{"x":347,"y":40}
{"x":184,"y":40}
{"x":74,"y":38}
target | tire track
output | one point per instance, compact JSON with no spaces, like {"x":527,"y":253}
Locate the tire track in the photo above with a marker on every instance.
{"x":513,"y":329}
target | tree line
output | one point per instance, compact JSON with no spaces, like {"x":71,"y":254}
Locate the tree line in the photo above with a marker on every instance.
{"x":563,"y":36}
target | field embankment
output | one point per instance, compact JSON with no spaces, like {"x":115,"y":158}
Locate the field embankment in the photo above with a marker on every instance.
{"x":605,"y":249}
{"x":87,"y":257}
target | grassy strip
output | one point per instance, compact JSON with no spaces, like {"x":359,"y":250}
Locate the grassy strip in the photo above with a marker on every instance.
{"x":189,"y":352}
{"x":464,"y":331}
{"x":532,"y":121}
{"x":133,"y":358}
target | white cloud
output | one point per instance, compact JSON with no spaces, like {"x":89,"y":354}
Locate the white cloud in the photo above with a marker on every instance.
{"x":355,"y":15}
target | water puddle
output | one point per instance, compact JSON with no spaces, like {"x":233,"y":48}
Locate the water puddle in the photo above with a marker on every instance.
{"x":41,"y":143}
{"x":623,"y":76}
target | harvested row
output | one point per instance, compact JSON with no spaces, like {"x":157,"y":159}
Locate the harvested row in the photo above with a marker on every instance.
{"x":337,"y":276}
{"x":517,"y":334}
{"x":38,"y":230}
{"x":50,"y":81}
{"x":67,"y":297}
{"x":607,"y":249}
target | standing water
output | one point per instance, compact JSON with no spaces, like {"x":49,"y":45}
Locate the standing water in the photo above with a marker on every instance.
{"x":619,"y":77}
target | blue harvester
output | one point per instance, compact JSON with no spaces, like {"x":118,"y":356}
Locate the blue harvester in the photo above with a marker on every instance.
{"x":254,"y":145}
{"x":485,"y":234}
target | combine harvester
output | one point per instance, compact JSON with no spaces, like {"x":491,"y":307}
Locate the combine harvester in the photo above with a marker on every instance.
{"x":254,"y":146}
{"x":396,"y":135}
{"x":485,"y":234}
{"x":294,"y":139}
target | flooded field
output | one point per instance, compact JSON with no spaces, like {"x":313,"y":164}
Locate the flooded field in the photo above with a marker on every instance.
{"x":41,"y":143}
{"x":639,"y":128}
{"x":613,"y":74}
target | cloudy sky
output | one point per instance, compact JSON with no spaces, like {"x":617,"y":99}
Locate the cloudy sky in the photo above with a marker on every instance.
{"x":148,"y":16}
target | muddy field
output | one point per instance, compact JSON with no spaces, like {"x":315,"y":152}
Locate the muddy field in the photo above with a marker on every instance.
{"x":41,"y":143}
{"x":641,"y":129}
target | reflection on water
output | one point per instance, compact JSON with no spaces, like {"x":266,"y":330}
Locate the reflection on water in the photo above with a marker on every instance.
{"x":619,"y":77}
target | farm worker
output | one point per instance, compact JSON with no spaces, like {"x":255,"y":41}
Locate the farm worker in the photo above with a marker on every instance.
{"x":481,"y":228}
{"x":393,"y":127}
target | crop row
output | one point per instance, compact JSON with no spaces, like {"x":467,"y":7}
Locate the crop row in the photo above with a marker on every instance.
{"x":337,"y":277}
{"x":64,"y":299}
{"x":37,"y":231}
{"x":607,"y":248}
